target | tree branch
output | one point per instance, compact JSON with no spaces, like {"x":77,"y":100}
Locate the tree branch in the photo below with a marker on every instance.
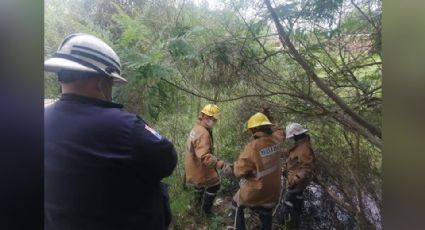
{"x":364,"y":15}
{"x":311,"y":73}
{"x":228,"y":99}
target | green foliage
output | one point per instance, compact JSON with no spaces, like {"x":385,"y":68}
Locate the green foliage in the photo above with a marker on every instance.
{"x":216,"y":56}
{"x":182,"y":198}
{"x":317,"y":10}
{"x":216,"y":223}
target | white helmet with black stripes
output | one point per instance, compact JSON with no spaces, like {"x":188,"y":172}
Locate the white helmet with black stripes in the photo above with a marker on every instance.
{"x":294,"y":129}
{"x":85,"y":53}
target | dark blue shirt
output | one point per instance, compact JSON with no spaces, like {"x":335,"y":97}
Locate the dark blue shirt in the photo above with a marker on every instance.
{"x":103,"y":167}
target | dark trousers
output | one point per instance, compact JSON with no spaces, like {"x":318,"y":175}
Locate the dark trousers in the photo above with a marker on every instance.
{"x":265,"y":215}
{"x":204,"y":196}
{"x":290,"y":211}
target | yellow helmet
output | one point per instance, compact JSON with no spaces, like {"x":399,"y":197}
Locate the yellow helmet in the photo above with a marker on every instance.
{"x":258,"y":119}
{"x":211,"y":110}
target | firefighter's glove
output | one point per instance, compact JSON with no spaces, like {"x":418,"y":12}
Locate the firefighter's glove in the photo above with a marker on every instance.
{"x":227,"y":169}
{"x":220,"y":164}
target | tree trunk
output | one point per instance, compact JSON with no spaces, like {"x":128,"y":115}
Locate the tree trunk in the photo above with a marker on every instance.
{"x":311,"y":73}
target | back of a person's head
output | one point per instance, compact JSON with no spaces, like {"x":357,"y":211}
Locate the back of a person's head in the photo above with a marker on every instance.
{"x":264,"y":128}
{"x":300,"y":136}
{"x":70,"y":76}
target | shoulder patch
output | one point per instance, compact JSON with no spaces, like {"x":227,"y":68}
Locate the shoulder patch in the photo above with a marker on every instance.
{"x":192,"y":134}
{"x":270,"y":150}
{"x":155,"y":133}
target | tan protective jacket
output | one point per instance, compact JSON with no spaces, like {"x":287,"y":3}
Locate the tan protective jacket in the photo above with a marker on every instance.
{"x":299,"y":164}
{"x":260,"y":165}
{"x":200,"y":163}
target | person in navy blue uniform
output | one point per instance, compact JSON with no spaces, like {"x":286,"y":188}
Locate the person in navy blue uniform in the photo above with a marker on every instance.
{"x":103,"y":165}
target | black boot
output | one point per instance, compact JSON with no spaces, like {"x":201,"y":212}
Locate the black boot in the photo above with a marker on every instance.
{"x":291,"y":212}
{"x":295,"y":222}
{"x":238,"y":216}
{"x":208,"y":202}
{"x":266,"y":218}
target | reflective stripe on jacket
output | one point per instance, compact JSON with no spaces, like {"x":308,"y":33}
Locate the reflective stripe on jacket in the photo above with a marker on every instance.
{"x":260,"y":165}
{"x":200,"y":162}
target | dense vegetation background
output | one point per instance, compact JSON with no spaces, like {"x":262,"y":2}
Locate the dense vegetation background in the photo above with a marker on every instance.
{"x":315,"y":62}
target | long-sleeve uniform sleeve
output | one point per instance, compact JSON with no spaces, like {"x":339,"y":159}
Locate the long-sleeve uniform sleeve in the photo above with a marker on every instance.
{"x":154,"y":155}
{"x":202,"y":146}
{"x":244,"y":166}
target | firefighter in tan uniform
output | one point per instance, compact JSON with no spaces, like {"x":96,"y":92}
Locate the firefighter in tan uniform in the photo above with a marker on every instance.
{"x":259,"y":167}
{"x":200,"y":162}
{"x":298,"y":171}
